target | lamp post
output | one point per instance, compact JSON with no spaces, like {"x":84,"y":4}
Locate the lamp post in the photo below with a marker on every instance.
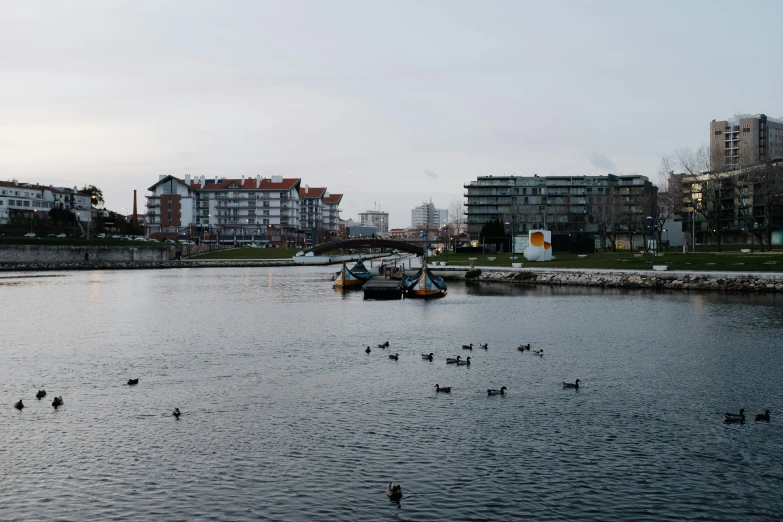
{"x":667,"y":237}
{"x":32,"y":214}
{"x":513,"y":236}
{"x":651,"y":224}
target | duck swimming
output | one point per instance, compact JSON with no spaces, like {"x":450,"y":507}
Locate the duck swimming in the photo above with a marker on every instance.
{"x":501,"y":391}
{"x":384,"y":345}
{"x":176,"y":413}
{"x":443,"y":389}
{"x":763,"y":416}
{"x":484,"y":346}
{"x":394,"y":356}
{"x":131,"y":382}
{"x":19,"y":405}
{"x":539,"y":352}
{"x":523,"y":347}
{"x":394,"y":492}
{"x":574,"y":385}
{"x":451,"y":360}
{"x":467,"y":346}
{"x":58,"y":401}
{"x":736,"y":417}
{"x":367,"y":350}
{"x":427,"y":356}
{"x":41,"y":394}
{"x":466,"y":362}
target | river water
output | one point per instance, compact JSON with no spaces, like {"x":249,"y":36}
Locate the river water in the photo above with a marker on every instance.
{"x":285,"y":417}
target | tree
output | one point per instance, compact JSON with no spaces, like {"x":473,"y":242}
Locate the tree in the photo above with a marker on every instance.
{"x":493,"y":232}
{"x":608,"y":213}
{"x":456,"y":212}
{"x":96,"y":194}
{"x":759,"y":192}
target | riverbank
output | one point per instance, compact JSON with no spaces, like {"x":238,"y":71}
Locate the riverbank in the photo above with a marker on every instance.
{"x":680,"y":280}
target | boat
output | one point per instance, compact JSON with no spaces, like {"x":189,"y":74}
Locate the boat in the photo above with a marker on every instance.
{"x":353,"y":277}
{"x":424,"y":284}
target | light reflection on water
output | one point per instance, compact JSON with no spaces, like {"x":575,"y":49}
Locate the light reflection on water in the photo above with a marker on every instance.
{"x":285,"y":417}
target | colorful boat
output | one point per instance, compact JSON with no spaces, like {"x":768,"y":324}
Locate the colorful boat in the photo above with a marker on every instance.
{"x":352,"y":277}
{"x":424,"y":284}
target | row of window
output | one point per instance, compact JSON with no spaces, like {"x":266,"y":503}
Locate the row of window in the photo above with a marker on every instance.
{"x":26,"y":203}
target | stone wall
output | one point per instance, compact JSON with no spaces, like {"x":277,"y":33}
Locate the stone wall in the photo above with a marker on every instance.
{"x":772,"y":282}
{"x":67,"y":254}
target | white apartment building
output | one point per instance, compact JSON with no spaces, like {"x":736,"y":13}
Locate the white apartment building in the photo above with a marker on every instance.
{"x":377,"y":218}
{"x":427,"y":214}
{"x":243,"y":210}
{"x":25,"y":199}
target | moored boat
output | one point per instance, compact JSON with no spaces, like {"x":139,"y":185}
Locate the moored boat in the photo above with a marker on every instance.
{"x":424,"y":284}
{"x":353,"y":277}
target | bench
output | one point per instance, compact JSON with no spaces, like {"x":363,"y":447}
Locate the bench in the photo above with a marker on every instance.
{"x":745,"y":251}
{"x":660,"y":268}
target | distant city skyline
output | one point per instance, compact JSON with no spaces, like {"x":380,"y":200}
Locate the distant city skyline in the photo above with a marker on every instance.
{"x":388,"y":103}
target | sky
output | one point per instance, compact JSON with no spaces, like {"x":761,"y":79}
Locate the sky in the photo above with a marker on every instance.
{"x":390,"y":103}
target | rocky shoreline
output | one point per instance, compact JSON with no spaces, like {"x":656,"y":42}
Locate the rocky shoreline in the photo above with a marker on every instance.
{"x":728,"y":282}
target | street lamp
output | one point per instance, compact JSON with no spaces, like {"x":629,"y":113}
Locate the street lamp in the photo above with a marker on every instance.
{"x":513,"y":236}
{"x":31,"y":219}
{"x":651,"y":224}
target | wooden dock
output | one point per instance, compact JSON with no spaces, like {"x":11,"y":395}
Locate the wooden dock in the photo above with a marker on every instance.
{"x":381,"y":288}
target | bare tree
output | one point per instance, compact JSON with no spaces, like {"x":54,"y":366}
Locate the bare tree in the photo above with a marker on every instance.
{"x":608,"y":214}
{"x":759,"y":187}
{"x":456,"y":218}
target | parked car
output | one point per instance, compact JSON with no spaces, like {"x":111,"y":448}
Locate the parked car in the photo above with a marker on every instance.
{"x":139,"y":239}
{"x":170,"y":241}
{"x":188,"y":242}
{"x":116,"y":236}
{"x":101,"y":236}
{"x":30,"y":234}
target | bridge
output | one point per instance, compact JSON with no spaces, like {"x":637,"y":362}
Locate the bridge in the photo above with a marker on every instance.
{"x":367,"y":242}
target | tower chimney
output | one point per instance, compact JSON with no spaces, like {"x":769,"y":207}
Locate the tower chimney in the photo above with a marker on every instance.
{"x":258,"y":181}
{"x":134,"y":220}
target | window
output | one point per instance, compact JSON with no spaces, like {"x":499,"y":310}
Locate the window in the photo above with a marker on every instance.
{"x":718,"y":132}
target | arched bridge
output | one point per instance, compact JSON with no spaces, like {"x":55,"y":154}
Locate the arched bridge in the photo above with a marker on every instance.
{"x":367,"y":242}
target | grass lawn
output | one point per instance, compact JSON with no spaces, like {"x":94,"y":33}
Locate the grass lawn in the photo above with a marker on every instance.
{"x":727,"y":261}
{"x":250,"y":253}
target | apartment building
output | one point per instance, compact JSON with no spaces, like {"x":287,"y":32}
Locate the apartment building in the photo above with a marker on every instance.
{"x":243,"y":210}
{"x":745,"y":139}
{"x":560,"y":204}
{"x":376,"y":218}
{"x":427,"y":214}
{"x":26,"y":199}
{"x":224,"y":209}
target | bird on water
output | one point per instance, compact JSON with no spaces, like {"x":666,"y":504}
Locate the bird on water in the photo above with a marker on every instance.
{"x":57,"y":402}
{"x":763,"y":416}
{"x":452,"y":360}
{"x":176,"y":413}
{"x":467,"y":346}
{"x":19,"y":405}
{"x":736,"y":417}
{"x":574,"y":385}
{"x":501,"y":391}
{"x":466,"y":362}
{"x":131,"y":382}
{"x":367,"y":350}
{"x":442,"y":389}
{"x":41,"y":394}
{"x":394,"y":356}
{"x":394,"y":492}
{"x":384,"y":345}
{"x":427,"y":356}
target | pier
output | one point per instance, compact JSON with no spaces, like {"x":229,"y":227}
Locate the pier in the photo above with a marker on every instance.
{"x":382,"y":288}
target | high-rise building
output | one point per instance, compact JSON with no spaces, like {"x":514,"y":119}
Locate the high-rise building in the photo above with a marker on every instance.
{"x":567,"y":204}
{"x":745,"y":139}
{"x":427,"y":214}
{"x":378,"y":218}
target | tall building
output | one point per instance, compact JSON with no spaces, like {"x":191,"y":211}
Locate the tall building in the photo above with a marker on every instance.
{"x":427,"y":214}
{"x":745,"y":140}
{"x":378,"y":218}
{"x":568,"y":204}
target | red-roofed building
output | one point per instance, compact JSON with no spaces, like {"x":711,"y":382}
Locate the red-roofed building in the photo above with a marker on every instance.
{"x":237,"y":210}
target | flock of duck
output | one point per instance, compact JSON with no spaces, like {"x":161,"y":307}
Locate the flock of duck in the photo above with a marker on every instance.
{"x":58,"y":401}
{"x":466,"y":362}
{"x":740,"y":417}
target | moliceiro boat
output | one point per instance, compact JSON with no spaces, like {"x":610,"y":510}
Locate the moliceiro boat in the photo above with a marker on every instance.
{"x":424,"y":284}
{"x":352,"y":277}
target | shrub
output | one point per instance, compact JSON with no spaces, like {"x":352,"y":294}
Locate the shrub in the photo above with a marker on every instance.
{"x":472,"y":274}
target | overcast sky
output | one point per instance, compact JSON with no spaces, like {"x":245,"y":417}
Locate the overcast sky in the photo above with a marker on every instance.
{"x":390,"y":103}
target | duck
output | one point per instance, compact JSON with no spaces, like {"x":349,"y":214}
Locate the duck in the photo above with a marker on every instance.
{"x":736,"y":417}
{"x":131,"y":382}
{"x":484,"y":346}
{"x":58,"y":401}
{"x":523,"y":347}
{"x":384,"y":345}
{"x":394,"y":356}
{"x":443,"y":389}
{"x":467,"y":346}
{"x":394,"y":492}
{"x":539,"y":352}
{"x":41,"y":394}
{"x":176,"y":413}
{"x":427,"y":356}
{"x":451,"y":360}
{"x":367,"y":350}
{"x":19,"y":405}
{"x":574,"y":384}
{"x":763,"y":416}
{"x":466,"y":362}
{"x":501,"y":391}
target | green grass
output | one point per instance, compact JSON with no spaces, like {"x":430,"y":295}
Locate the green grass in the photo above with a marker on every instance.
{"x":699,"y":261}
{"x":250,"y":253}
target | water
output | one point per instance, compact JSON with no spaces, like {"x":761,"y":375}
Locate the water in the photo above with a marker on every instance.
{"x":286,"y":418}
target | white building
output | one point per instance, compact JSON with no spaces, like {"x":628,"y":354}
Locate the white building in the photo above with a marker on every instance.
{"x":377,"y":218}
{"x":427,"y":214}
{"x":25,"y":200}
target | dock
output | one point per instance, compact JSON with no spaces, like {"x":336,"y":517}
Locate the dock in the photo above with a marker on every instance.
{"x":382,"y":288}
